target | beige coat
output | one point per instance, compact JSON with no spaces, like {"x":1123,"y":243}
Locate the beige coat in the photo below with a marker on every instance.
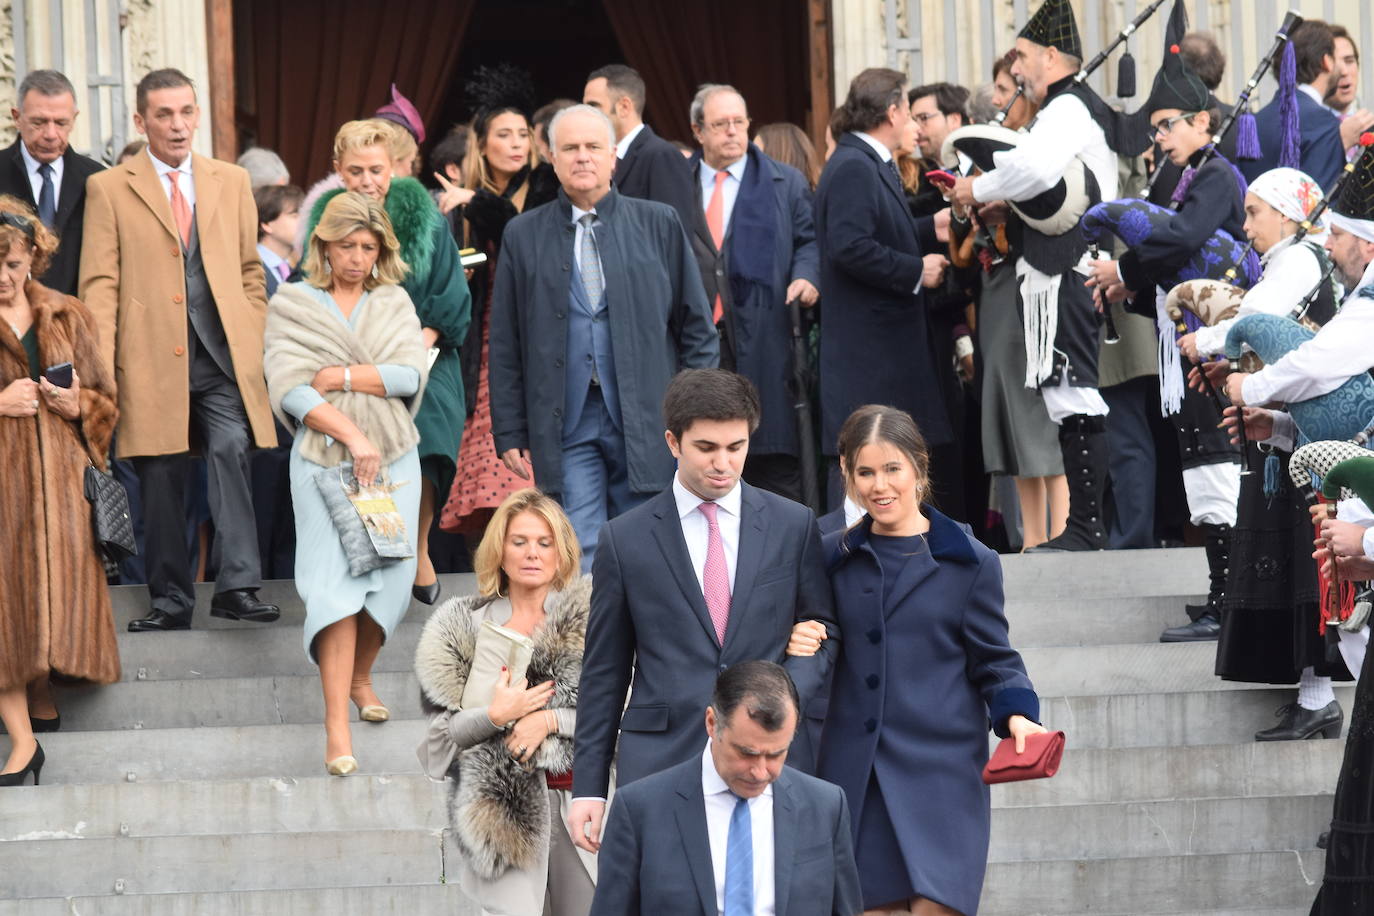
{"x":134,"y":282}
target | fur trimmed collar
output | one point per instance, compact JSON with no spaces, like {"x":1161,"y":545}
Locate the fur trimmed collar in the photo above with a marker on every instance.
{"x":413,"y":218}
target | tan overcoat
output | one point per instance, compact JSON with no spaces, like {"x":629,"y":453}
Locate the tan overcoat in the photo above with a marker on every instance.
{"x":134,"y":282}
{"x":55,"y":612}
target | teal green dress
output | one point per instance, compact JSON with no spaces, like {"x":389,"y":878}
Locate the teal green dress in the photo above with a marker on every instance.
{"x":439,"y":289}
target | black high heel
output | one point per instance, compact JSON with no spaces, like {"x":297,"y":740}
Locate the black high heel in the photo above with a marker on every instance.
{"x":426,"y":594}
{"x":35,"y":766}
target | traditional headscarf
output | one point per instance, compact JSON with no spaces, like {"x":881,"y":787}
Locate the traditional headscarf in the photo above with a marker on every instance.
{"x":1289,"y":191}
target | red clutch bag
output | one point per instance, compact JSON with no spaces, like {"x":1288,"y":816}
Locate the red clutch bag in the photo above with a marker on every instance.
{"x":1040,"y":760}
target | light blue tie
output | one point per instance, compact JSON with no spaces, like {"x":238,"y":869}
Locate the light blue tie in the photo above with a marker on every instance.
{"x":739,"y":863}
{"x":591,"y":263}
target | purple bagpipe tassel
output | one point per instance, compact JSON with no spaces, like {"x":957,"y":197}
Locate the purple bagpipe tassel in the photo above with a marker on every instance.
{"x":1291,"y":132}
{"x":1247,"y":137}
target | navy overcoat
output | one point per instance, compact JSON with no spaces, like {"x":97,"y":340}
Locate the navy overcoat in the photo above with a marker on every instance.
{"x":916,"y":686}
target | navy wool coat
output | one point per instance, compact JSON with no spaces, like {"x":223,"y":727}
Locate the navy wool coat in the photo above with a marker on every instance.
{"x":1320,"y":153}
{"x":660,"y":323}
{"x":875,"y":334}
{"x":915,"y":688}
{"x":760,"y":322}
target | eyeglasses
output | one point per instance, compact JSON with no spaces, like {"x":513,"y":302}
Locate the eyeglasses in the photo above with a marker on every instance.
{"x":925,"y":116}
{"x":720,"y":127}
{"x":1166,"y":127}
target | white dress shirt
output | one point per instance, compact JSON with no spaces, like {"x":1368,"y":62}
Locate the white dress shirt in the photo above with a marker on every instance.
{"x":720,"y":805}
{"x":879,"y":147}
{"x":623,"y":144}
{"x":31,"y":166}
{"x":696,"y":530}
{"x":729,"y":191}
{"x":1064,"y":129}
{"x":185,"y":180}
{"x":1290,"y":272}
{"x":1339,"y":352}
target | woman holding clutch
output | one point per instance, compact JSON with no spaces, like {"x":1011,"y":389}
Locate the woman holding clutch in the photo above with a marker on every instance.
{"x":346,"y":368}
{"x":508,"y":748}
{"x":924,"y":666}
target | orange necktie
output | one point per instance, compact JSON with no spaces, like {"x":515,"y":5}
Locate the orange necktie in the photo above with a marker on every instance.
{"x":181,"y":212}
{"x":715,"y":222}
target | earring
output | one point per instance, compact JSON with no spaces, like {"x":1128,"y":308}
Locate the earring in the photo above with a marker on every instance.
{"x":374,"y":271}
{"x":328,"y":268}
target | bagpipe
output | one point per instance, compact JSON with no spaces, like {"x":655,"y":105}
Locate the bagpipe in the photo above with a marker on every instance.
{"x":1320,"y":471}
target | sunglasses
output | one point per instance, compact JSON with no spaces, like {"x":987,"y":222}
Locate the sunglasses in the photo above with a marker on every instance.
{"x":23,"y":224}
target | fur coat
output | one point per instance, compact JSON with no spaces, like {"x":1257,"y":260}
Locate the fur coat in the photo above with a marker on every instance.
{"x":304,"y":337}
{"x":499,"y":811}
{"x":55,"y":614}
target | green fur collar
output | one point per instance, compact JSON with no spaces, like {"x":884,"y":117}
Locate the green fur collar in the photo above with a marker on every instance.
{"x":413,"y":218}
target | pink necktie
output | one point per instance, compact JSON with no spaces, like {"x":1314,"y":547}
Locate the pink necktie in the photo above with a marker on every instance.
{"x":282,"y":270}
{"x":181,"y":211}
{"x":715,"y":222}
{"x":716,"y":579}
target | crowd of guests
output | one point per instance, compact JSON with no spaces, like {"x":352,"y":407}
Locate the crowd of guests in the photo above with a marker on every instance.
{"x":576,"y":349}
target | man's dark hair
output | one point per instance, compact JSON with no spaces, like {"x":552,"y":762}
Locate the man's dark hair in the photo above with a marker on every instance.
{"x":1204,"y":57}
{"x":709,"y":394}
{"x":949,"y":98}
{"x":450,"y":151}
{"x":621,"y":80}
{"x":167,"y":78}
{"x":871,"y":94}
{"x":45,"y":82}
{"x":273,"y":200}
{"x":539,"y":121}
{"x":764,"y":689}
{"x":1312,"y":41}
{"x":1338,"y":31}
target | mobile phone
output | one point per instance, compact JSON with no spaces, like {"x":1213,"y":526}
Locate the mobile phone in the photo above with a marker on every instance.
{"x":942,"y":179}
{"x":59,"y":375}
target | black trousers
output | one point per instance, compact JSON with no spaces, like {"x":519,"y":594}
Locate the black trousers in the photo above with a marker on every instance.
{"x":220,"y":423}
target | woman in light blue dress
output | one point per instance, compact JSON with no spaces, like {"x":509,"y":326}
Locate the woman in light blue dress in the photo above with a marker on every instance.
{"x":346,"y":367}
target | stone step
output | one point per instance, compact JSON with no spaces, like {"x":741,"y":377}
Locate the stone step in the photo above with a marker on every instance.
{"x":383,"y":900}
{"x":1094,"y":621}
{"x":1200,"y":884}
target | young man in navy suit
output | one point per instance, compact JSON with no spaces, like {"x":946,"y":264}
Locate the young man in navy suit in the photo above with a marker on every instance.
{"x":755,"y":836}
{"x":708,"y":573}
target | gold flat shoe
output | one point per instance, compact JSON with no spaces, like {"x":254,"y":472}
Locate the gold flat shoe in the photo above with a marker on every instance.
{"x":374,"y":713}
{"x":341,"y":766}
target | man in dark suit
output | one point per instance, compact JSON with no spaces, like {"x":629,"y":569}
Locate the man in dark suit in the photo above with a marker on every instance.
{"x":46,"y":173}
{"x":752,"y":234}
{"x":1320,"y":152}
{"x":755,"y":836}
{"x":585,"y":337}
{"x":876,"y":347}
{"x":708,"y":573}
{"x":648,"y":166}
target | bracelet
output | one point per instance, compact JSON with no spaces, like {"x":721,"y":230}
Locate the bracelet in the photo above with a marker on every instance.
{"x":348,"y":379}
{"x":553,"y":721}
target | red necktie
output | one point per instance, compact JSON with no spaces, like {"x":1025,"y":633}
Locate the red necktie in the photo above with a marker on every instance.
{"x":715,"y":222}
{"x":181,"y":212}
{"x":715,"y":577}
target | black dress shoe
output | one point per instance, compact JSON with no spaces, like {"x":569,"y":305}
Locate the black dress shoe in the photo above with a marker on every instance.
{"x":160,"y":620}
{"x":426,"y":594}
{"x":41,"y":726}
{"x":1300,"y":724}
{"x":1324,"y":840}
{"x":243,"y":604}
{"x":1204,"y":629}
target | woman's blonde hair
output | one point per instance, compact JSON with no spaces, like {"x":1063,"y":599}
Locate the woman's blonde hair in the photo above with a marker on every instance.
{"x":491,"y":578}
{"x":348,"y":212}
{"x":20,"y":224}
{"x":358,"y":135}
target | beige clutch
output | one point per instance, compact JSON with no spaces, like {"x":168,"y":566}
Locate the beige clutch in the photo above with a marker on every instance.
{"x":496,"y":647}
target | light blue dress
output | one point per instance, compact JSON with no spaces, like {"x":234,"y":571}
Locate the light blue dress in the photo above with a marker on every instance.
{"x":323,"y":581}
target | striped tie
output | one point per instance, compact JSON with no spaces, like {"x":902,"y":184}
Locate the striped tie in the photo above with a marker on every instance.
{"x":739,"y":862}
{"x":591,"y":263}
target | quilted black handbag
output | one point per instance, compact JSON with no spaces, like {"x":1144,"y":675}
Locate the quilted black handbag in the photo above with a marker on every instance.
{"x":112,"y":526}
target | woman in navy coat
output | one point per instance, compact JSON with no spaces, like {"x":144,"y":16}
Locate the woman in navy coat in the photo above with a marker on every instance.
{"x":924,"y":667}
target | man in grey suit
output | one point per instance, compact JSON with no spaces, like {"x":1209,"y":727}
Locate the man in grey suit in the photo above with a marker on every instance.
{"x":756,"y":837}
{"x":708,"y":573}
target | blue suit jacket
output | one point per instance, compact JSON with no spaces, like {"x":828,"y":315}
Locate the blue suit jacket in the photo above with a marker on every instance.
{"x":659,"y":823}
{"x":875,"y":333}
{"x":649,"y":619}
{"x":1320,"y":152}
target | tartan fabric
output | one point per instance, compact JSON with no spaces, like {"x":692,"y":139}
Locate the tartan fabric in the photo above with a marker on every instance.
{"x":1054,"y":26}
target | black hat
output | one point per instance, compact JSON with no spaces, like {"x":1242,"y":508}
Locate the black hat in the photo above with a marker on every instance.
{"x":1177,"y":86}
{"x":1356,"y":199}
{"x":1053,"y":26}
{"x":504,"y":87}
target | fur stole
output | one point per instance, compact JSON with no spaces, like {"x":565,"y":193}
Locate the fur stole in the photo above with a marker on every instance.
{"x":414,"y":218}
{"x":303,"y":336}
{"x":499,"y":810}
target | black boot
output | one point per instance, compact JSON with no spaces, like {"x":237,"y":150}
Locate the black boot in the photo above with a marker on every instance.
{"x":1083,"y":442}
{"x":1206,"y":618}
{"x":1299,"y":724}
